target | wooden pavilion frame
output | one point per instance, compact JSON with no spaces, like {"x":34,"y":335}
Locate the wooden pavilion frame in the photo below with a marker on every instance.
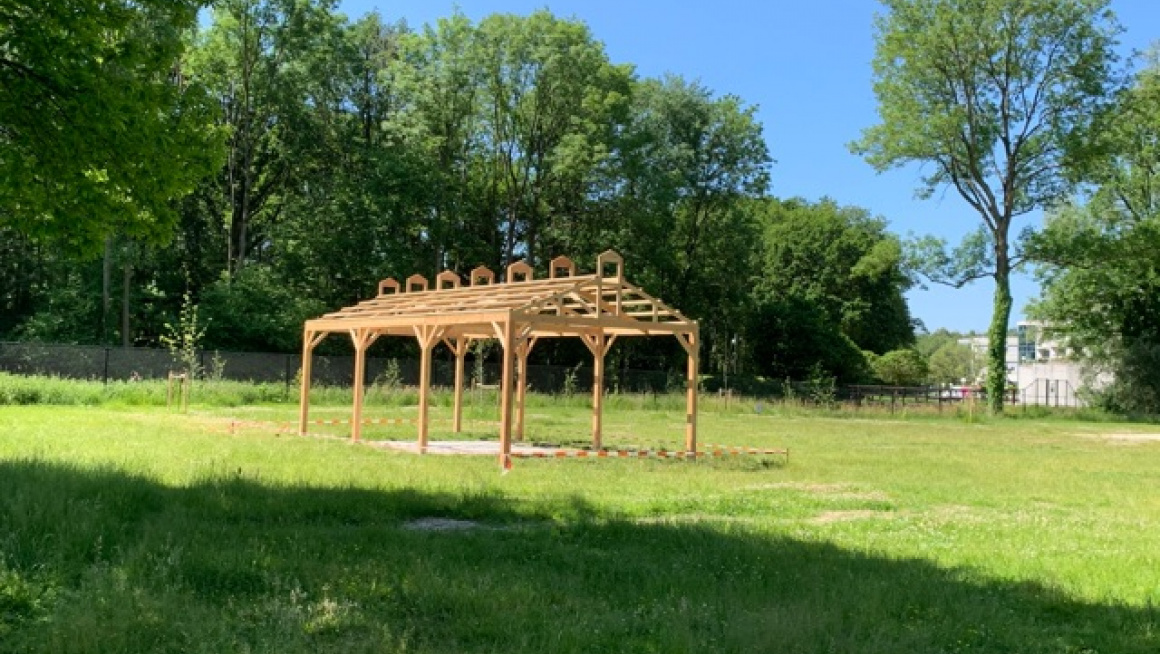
{"x":598,"y":308}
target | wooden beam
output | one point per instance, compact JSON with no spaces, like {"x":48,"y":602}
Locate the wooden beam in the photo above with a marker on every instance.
{"x":426,"y":344}
{"x":597,"y":345}
{"x":310,"y":340}
{"x":416,"y":280}
{"x":505,"y":412}
{"x":523,"y":349}
{"x":428,"y":336}
{"x":460,"y":350}
{"x":690,"y":343}
{"x":361,"y":339}
{"x":450,"y":277}
{"x":604,"y":322}
{"x":388,"y":286}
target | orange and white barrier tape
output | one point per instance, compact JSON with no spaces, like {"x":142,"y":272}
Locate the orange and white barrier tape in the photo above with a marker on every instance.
{"x":734,"y":450}
{"x":378,"y":421}
{"x":364,"y":421}
{"x":288,"y":426}
{"x":709,"y":450}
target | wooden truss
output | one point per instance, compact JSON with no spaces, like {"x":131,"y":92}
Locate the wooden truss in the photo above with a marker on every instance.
{"x":598,"y":308}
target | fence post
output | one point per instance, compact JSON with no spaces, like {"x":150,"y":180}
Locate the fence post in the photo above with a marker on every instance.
{"x":106,"y":373}
{"x":286,"y":374}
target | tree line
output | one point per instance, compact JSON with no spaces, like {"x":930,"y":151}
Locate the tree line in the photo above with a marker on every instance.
{"x":275,"y":159}
{"x":305,"y":156}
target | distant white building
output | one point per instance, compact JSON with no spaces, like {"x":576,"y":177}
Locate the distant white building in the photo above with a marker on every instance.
{"x":978,"y":345}
{"x":1042,"y":369}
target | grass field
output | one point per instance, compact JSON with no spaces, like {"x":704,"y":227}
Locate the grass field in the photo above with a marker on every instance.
{"x":132,"y":529}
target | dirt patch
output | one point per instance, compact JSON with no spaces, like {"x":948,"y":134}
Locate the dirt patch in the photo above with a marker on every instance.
{"x":830,"y":517}
{"x":440,"y":524}
{"x":830,"y":491}
{"x":1130,"y":438}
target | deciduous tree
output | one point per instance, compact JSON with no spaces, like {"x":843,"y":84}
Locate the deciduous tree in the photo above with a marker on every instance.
{"x":1101,"y":279}
{"x":99,"y":130}
{"x":996,"y":98}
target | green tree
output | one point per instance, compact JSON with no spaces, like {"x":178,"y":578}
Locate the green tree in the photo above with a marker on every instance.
{"x":550,"y":99}
{"x":791,"y":337}
{"x":267,"y":64}
{"x":684,"y":201}
{"x":997,"y":97}
{"x":359,"y":210}
{"x":928,"y":343}
{"x":438,"y":115}
{"x":256,"y":311}
{"x":951,"y":363}
{"x":828,"y":285}
{"x":1101,"y":282}
{"x":101,"y":131}
{"x":901,"y":368}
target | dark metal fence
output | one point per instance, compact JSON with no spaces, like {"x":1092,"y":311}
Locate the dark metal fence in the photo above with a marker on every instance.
{"x":119,"y":364}
{"x":1050,"y":392}
{"x":1043,"y":392}
{"x":902,"y":397}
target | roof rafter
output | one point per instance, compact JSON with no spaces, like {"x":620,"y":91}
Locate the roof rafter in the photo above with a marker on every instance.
{"x":564,"y":304}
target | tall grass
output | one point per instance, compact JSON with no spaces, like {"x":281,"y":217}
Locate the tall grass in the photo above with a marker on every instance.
{"x":20,"y":390}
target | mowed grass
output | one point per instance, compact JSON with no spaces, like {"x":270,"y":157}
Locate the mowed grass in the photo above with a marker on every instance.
{"x":138,"y":530}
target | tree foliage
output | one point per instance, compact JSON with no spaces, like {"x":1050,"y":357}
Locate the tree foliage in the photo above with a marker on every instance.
{"x":360,"y":149}
{"x":1102,"y":277}
{"x":100,"y":129}
{"x":953,"y":363}
{"x":834,"y":272}
{"x":997,"y":98}
{"x":901,"y":368}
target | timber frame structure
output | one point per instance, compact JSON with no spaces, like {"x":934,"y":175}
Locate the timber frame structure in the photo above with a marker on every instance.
{"x":597,"y":308}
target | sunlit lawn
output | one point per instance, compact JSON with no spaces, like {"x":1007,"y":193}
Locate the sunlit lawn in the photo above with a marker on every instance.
{"x":129,"y":529}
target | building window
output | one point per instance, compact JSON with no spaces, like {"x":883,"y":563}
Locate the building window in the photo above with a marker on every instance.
{"x":1026,"y":343}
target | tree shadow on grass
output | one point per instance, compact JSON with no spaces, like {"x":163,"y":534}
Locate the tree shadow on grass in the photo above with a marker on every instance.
{"x":100,"y":561}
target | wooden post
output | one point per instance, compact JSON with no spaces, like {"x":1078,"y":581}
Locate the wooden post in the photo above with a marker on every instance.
{"x":309,"y":341}
{"x":596,"y":344}
{"x":505,"y":413}
{"x":426,"y":344}
{"x":598,"y":394}
{"x":361,"y":339}
{"x":691,"y":345}
{"x":460,"y":350}
{"x":522,"y":350}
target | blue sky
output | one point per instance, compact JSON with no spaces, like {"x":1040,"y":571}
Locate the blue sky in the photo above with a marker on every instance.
{"x":806,"y":65}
